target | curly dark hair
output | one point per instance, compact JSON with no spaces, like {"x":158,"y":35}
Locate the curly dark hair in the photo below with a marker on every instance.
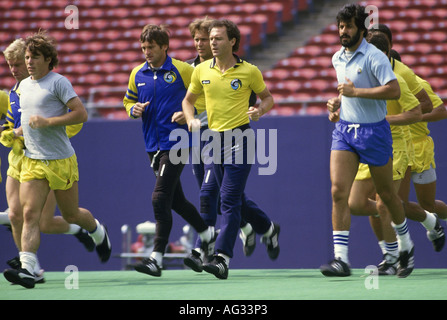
{"x":355,"y":11}
{"x":42,"y":43}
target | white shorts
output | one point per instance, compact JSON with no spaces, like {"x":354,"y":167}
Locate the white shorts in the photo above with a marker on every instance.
{"x":424,"y":177}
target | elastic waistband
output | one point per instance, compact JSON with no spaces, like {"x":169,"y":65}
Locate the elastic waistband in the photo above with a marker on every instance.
{"x":372,"y":124}
{"x":242,"y":128}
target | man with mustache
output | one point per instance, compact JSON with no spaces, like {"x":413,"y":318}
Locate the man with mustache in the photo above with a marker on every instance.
{"x":366,"y":80}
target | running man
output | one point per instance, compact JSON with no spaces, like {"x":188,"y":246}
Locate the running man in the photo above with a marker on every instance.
{"x":155,"y":93}
{"x":12,"y":138}
{"x":227,"y":83}
{"x":50,"y":161}
{"x":362,"y":135}
{"x":204,"y":173}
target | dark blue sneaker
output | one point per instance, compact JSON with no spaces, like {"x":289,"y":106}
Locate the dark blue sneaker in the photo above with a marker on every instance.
{"x":336,"y":268}
{"x":194,"y":261}
{"x":218,"y":267}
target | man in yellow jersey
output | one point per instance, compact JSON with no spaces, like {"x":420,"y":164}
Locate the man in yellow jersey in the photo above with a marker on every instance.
{"x":12,"y":138}
{"x":204,"y":173}
{"x":420,"y":90}
{"x":3,"y":110}
{"x":403,"y":70}
{"x":423,"y":170}
{"x":227,"y":83}
{"x":155,"y":93}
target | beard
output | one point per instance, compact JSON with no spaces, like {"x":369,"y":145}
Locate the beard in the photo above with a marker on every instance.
{"x":349,"y":42}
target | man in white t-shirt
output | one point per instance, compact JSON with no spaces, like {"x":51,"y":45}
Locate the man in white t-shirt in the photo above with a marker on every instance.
{"x":50,"y":161}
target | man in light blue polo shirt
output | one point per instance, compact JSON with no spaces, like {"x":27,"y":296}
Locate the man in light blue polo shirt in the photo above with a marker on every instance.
{"x":362,"y":134}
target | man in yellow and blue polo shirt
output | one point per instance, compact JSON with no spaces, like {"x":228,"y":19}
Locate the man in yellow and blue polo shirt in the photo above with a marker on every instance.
{"x":155,"y":93}
{"x":227,"y":83}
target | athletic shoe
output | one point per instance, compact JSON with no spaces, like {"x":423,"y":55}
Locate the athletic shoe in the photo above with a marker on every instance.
{"x":336,"y":268}
{"x":272,"y":242}
{"x":194,"y":261}
{"x":437,"y":236}
{"x":38,"y":277}
{"x":406,"y":263}
{"x":388,"y":266}
{"x":248,"y":242}
{"x":105,"y":248}
{"x":15,"y":263}
{"x":149,"y":266}
{"x":20,"y":276}
{"x":208,"y":247}
{"x":86,"y":240}
{"x":218,"y":267}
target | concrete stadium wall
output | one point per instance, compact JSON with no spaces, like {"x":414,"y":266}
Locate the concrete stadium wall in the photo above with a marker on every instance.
{"x":116,"y":184}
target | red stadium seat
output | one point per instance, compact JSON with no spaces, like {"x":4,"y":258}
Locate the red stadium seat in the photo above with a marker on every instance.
{"x":77,"y":68}
{"x":91,"y":79}
{"x":407,"y":38}
{"x":292,"y":62}
{"x":277,"y":74}
{"x":325,"y":39}
{"x":433,"y":59}
{"x":320,"y":62}
{"x":411,"y":14}
{"x":304,"y":73}
{"x":433,"y":37}
{"x":308,"y":51}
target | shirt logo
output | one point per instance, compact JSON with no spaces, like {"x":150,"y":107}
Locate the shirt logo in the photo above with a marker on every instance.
{"x":141,"y":84}
{"x":236,"y":84}
{"x":169,"y":77}
{"x":206,"y":82}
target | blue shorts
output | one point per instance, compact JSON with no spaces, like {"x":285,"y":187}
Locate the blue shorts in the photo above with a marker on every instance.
{"x":372,"y":142}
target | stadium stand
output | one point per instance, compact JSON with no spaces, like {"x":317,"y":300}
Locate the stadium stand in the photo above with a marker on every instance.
{"x":419,"y":34}
{"x":99,"y":56}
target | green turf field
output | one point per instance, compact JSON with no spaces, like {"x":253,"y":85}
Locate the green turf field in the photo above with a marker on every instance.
{"x":243,"y":284}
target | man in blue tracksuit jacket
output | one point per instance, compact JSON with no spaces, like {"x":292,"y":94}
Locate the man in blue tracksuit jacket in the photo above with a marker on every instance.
{"x":155,"y":93}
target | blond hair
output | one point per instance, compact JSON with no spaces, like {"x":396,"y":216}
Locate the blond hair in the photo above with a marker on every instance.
{"x":200,"y":25}
{"x":15,"y":51}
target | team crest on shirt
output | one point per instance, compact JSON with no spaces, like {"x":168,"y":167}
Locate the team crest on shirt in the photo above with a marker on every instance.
{"x":170,"y":77}
{"x":236,"y":84}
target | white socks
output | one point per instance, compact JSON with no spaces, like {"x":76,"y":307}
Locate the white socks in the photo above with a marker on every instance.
{"x":73,"y":229}
{"x":29,"y":261}
{"x":247,"y":229}
{"x":4,"y":219}
{"x":98,"y":234}
{"x":430,"y":221}
{"x":341,"y":239}
{"x":158,"y":257}
{"x":207,"y":235}
{"x":403,"y":236}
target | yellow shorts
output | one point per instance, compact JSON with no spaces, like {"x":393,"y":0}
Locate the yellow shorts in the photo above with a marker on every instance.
{"x":410,"y":152}
{"x":400,"y":165}
{"x":60,"y":174}
{"x":424,"y":154}
{"x":15,"y":165}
